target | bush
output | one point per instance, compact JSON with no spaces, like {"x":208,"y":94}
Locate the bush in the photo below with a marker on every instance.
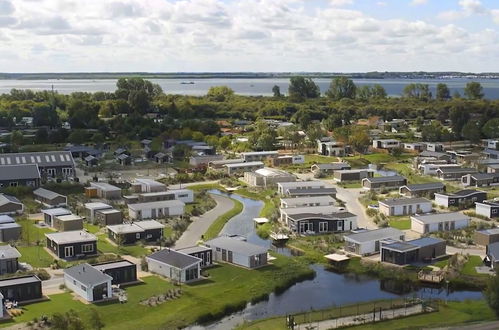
{"x":371,"y":212}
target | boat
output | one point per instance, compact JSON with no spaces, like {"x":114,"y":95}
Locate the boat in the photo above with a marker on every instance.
{"x":187,"y":83}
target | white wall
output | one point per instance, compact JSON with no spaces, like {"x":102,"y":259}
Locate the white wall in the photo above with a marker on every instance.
{"x":167,"y":271}
{"x":76,"y":288}
{"x":441,"y":200}
{"x":482,"y":209}
{"x":399,"y":209}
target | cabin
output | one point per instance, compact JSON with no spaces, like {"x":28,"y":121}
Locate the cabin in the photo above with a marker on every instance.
{"x":316,"y":210}
{"x":9,"y":229}
{"x":204,"y":160}
{"x":489,"y":209}
{"x":130,"y":233}
{"x":148,"y":186}
{"x":239,"y":168}
{"x":238,"y":252}
{"x":105,"y":190}
{"x":72,"y":244}
{"x":329,"y":168}
{"x":287,"y":160}
{"x":177,"y":266}
{"x":91,"y":161}
{"x":480,"y":179}
{"x":89,"y":283}
{"x":404,"y":206}
{"x":492,"y":258}
{"x":23,"y":289}
{"x":330,"y":147}
{"x":25,"y":175}
{"x":386,"y":144}
{"x":121,"y":271}
{"x":50,"y":214}
{"x":162,"y":158}
{"x":460,"y":199}
{"x":254,"y":156}
{"x":106,"y":217}
{"x":486,"y":236}
{"x":419,"y":250}
{"x":9,"y":259}
{"x":155,"y":210}
{"x":10,"y":205}
{"x":184,"y":195}
{"x":49,"y":198}
{"x":307,"y":201}
{"x":124,"y":159}
{"x":352,"y":175}
{"x":267,"y":177}
{"x":313,"y":223}
{"x":306,"y":189}
{"x":202,"y":252}
{"x":422,"y":189}
{"x":453,"y":173}
{"x":384,"y":182}
{"x":92,"y":208}
{"x":68,"y":222}
{"x":424,"y":224}
{"x":219,"y":164}
{"x":369,"y":242}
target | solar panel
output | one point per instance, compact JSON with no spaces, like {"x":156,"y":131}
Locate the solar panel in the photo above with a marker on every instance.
{"x":32,"y":159}
{"x":18,"y":160}
{"x":61,"y":156}
{"x":2,"y":160}
{"x":23,"y":159}
{"x":47,"y":158}
{"x":38,"y":159}
{"x":53,"y":158}
{"x":8,"y":160}
{"x":68,"y":158}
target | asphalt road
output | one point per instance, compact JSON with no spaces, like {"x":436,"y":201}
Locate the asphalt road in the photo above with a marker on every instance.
{"x":200,"y":224}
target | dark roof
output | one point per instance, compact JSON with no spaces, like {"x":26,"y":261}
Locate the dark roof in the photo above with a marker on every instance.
{"x":19,"y":172}
{"x":404,"y":201}
{"x":435,"y":154}
{"x":113,"y":264}
{"x":122,"y":156}
{"x":4,"y":199}
{"x":86,"y":274}
{"x":194,"y":249}
{"x":173,"y":258}
{"x":312,"y":191}
{"x":333,"y":166}
{"x":425,"y":186}
{"x":465,"y":170}
{"x":484,"y":176}
{"x":46,"y":193}
{"x":89,"y":158}
{"x":426,"y":241}
{"x":491,"y":231}
{"x":19,"y":280}
{"x":464,"y":193}
{"x":51,"y":158}
{"x":375,"y":234}
{"x":400,"y":246}
{"x":334,"y":216}
{"x":393,"y":178}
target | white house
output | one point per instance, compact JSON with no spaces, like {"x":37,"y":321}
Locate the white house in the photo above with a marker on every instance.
{"x":386,"y":144}
{"x":307,"y":201}
{"x":50,"y":214}
{"x":175,"y":265}
{"x":315,"y":210}
{"x":425,"y":224}
{"x":91,"y":208}
{"x":88,"y":282}
{"x":148,"y":185}
{"x":370,"y":241}
{"x":404,"y":206}
{"x":153,"y":210}
{"x":237,"y":252}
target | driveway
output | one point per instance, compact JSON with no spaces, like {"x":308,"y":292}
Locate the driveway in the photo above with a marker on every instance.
{"x":351,"y":198}
{"x":200,"y":224}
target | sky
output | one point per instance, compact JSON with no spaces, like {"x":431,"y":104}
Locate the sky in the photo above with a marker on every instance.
{"x":249,"y":35}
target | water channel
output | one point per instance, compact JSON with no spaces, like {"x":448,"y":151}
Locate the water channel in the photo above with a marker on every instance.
{"x":327,"y":289}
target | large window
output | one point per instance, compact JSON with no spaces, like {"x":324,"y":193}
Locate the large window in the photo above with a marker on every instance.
{"x":69,"y":251}
{"x":323,"y":227}
{"x":85,"y":248}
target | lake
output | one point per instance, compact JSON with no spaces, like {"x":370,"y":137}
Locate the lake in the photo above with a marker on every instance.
{"x":242,"y":86}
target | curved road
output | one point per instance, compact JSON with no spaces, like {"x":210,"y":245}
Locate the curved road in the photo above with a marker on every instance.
{"x":200,"y":224}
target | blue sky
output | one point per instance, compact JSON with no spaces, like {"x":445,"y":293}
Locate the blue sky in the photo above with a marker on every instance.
{"x":249,"y":35}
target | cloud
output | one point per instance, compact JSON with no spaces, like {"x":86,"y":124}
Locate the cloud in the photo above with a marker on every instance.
{"x":339,"y":3}
{"x":419,"y":2}
{"x":6,"y":7}
{"x":468,"y":8}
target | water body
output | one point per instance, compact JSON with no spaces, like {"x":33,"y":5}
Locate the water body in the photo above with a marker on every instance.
{"x":327,"y":289}
{"x":243,"y":86}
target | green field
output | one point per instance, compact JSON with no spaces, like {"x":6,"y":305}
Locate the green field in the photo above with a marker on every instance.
{"x":220,"y":222}
{"x":376,"y":158}
{"x":226,"y":288}
{"x":401,"y":223}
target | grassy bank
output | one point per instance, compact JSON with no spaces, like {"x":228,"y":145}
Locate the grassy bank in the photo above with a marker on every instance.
{"x":220,"y":222}
{"x":452,"y":314}
{"x":228,"y":288}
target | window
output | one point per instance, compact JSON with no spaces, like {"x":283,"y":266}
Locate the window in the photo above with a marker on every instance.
{"x":69,"y":251}
{"x":218,"y":249}
{"x":13,"y":184}
{"x":149,"y":236}
{"x":137,"y":235}
{"x":85,"y":248}
{"x":451,"y":201}
{"x":83,"y":288}
{"x":494,"y":211}
{"x":323,"y":227}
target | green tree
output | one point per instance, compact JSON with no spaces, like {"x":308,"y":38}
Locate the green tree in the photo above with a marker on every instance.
{"x":42,"y":136}
{"x":95,"y":320}
{"x":341,"y":88}
{"x":301,"y":88}
{"x":473,"y":90}
{"x":302,"y":117}
{"x":78,"y":136}
{"x":333,"y":121}
{"x":417,"y":91}
{"x":359,"y":139}
{"x":219,"y":93}
{"x":459,"y":117}
{"x":44,"y":115}
{"x":492,"y":293}
{"x":276,"y":90}
{"x":443,"y":92}
{"x":491,"y":128}
{"x":67,"y":321}
{"x":17,"y":138}
{"x":224,"y":142}
{"x":137,"y":92}
{"x":378,"y":92}
{"x":471,"y":131}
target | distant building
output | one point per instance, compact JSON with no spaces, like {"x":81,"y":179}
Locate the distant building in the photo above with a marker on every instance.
{"x":370,"y":241}
{"x":10,"y":205}
{"x":238,"y":252}
{"x":352,"y":175}
{"x":26,"y":175}
{"x":148,"y":185}
{"x":423,"y":249}
{"x":306,"y":189}
{"x":258,"y":155}
{"x":267,"y":177}
{"x":329,"y":147}
{"x":425,"y":224}
{"x":106,"y":190}
{"x":239,"y":168}
{"x":404,"y":206}
{"x":422,"y":189}
{"x":461,"y":198}
{"x":384,"y":182}
{"x":480,"y":179}
{"x":329,"y":168}
{"x":489,"y":209}
{"x":52,"y":164}
{"x":175,"y":265}
{"x":72,"y":244}
{"x":486,"y":236}
{"x":154,"y":210}
{"x":130,"y":233}
{"x":386,"y":144}
{"x":50,"y":198}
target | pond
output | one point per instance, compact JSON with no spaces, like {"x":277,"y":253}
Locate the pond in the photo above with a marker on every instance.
{"x":327,"y":289}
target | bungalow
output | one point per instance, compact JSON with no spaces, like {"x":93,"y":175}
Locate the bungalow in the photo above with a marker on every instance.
{"x":9,"y":257}
{"x":453,"y":173}
{"x":219,"y":164}
{"x":306,"y":189}
{"x":92,"y":208}
{"x":81,"y":151}
{"x":87,"y":282}
{"x":184,"y":195}
{"x":106,"y":190}
{"x":238,"y":252}
{"x":22,"y":289}
{"x":267,"y":177}
{"x":68,"y":222}
{"x":27,"y":175}
{"x":200,"y":160}
{"x":415,"y":146}
{"x":329,"y":168}
{"x":121,"y":271}
{"x":461,"y":198}
{"x":10,"y":205}
{"x":72,"y":244}
{"x":106,"y":217}
{"x":9,"y":229}
{"x":316,"y":223}
{"x":124,"y":159}
{"x":162,"y":158}
{"x":130,"y":233}
{"x":434,"y":147}
{"x":386,"y":144}
{"x":317,"y":210}
{"x":287,"y":160}
{"x":384,"y":182}
{"x":486,"y":236}
{"x":419,"y":250}
{"x":422,"y":189}
{"x":153,"y":210}
{"x":437,"y":155}
{"x":307,"y":201}
{"x":177,"y":266}
{"x":258,"y":155}
{"x":491,"y":153}
{"x":404,"y":206}
{"x":330,"y":147}
{"x":369,"y":241}
{"x":492,"y":251}
{"x":425,"y":224}
{"x":431,"y":168}
{"x":52,"y":164}
{"x":238,"y":168}
{"x":50,"y":198}
{"x":489,"y":209}
{"x":480,"y":179}
{"x":352,"y":175}
{"x":493,"y":168}
{"x":147,"y":186}
{"x":50,"y":214}
{"x":91,"y":161}
{"x":202,"y":252}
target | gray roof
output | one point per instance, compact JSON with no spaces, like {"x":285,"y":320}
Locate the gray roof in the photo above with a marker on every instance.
{"x":464,"y":170}
{"x":56,"y":211}
{"x":8,"y":252}
{"x":74,"y":236}
{"x":425,"y":186}
{"x":332,"y":166}
{"x":435,"y":154}
{"x":19,"y":280}
{"x":312,"y":191}
{"x":307,"y":184}
{"x":484,"y":176}
{"x":440,"y":217}
{"x":46,"y":193}
{"x":404,"y":201}
{"x":194,"y":249}
{"x":112,"y":265}
{"x":374,"y":235}
{"x":400,"y":246}
{"x":247,"y":164}
{"x":301,"y":200}
{"x":334,"y":216}
{"x":174,"y":258}
{"x":4,"y":199}
{"x":125,"y":228}
{"x":463,"y":193}
{"x":235,"y":245}
{"x":19,"y":172}
{"x":491,"y":231}
{"x":6,"y":219}
{"x":43,"y":159}
{"x":393,"y":178}
{"x":104,"y":186}
{"x":426,"y":241}
{"x":86,"y":274}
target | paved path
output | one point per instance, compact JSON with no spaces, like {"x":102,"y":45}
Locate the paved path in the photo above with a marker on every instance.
{"x":200,"y":224}
{"x":351,"y":198}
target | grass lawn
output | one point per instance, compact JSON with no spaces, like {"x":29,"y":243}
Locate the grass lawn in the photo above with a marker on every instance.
{"x":455,"y":313}
{"x":36,"y":256}
{"x":220,"y":222}
{"x":469,"y":266}
{"x":350,"y":184}
{"x":266,"y":196}
{"x":91,"y":228}
{"x":315,"y":247}
{"x":376,"y":158}
{"x":312,"y":159}
{"x":104,"y":246}
{"x":401,"y":223}
{"x":31,"y":233}
{"x":208,"y":186}
{"x":227,"y":287}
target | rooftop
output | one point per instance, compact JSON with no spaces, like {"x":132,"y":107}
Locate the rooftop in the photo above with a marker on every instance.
{"x":374,"y":235}
{"x":4,"y":199}
{"x":173,"y":258}
{"x":247,"y":164}
{"x":86,"y":274}
{"x":8,"y":252}
{"x":425,"y":186}
{"x":235,"y":245}
{"x":56,"y":211}
{"x":400,"y":247}
{"x":19,"y":280}
{"x":97,"y":205}
{"x":74,"y":236}
{"x":393,"y":178}
{"x":125,"y":228}
{"x":46,"y":193}
{"x":112,"y":265}
{"x":440,"y":217}
{"x":168,"y":203}
{"x":463,"y":193}
{"x":104,"y":186}
{"x":150,"y":182}
{"x":51,"y":158}
{"x":404,"y":201}
{"x":19,"y":172}
{"x":194,"y":249}
{"x":426,"y":241}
